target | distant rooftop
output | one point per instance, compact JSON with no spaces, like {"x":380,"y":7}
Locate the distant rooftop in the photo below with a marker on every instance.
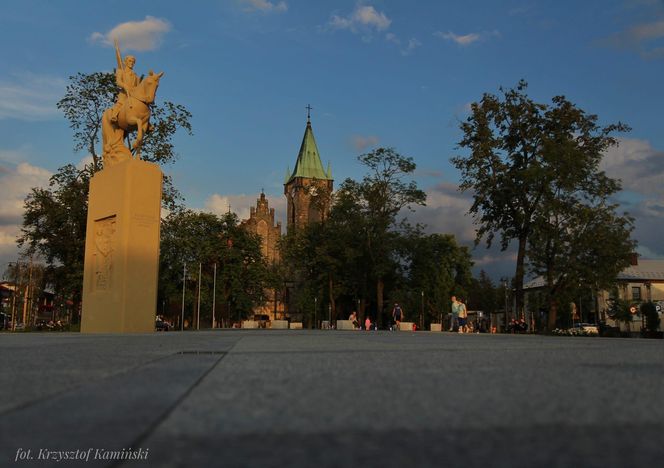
{"x":645,"y":270}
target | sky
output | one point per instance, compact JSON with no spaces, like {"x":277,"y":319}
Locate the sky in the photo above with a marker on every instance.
{"x":376,"y":73}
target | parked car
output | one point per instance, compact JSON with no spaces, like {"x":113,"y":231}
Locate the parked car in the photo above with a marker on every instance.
{"x":588,"y":328}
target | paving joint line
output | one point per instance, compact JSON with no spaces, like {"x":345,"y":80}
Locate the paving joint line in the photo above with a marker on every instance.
{"x":159,"y":420}
{"x":59,"y":393}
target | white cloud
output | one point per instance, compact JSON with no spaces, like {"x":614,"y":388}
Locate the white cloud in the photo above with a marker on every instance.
{"x":27,"y":96}
{"x":16,"y":182}
{"x":406,"y":48}
{"x":265,"y":6}
{"x":638,"y":165}
{"x":646,"y":31}
{"x":360,"y":143}
{"x":135,"y":35}
{"x":466,"y":39}
{"x":641,"y":169}
{"x":364,"y":18}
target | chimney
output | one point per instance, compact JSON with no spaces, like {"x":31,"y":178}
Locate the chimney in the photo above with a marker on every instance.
{"x":634,"y":259}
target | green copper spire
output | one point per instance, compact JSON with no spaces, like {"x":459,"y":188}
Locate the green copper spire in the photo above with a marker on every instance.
{"x":308,"y":162}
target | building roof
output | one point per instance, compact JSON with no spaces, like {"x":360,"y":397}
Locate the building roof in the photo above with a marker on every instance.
{"x":308,"y":162}
{"x":644,"y":270}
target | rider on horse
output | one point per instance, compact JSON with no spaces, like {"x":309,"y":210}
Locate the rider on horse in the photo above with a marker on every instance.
{"x":125,"y":78}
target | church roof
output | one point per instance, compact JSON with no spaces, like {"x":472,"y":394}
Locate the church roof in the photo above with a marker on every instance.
{"x":308,"y":162}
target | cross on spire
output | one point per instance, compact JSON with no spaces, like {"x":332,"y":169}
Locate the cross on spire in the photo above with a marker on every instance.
{"x":308,"y":108}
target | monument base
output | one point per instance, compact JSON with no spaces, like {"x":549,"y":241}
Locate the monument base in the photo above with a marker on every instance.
{"x":122,"y":249}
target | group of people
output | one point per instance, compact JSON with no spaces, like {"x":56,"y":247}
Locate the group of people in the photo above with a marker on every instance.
{"x":517,"y":326}
{"x":459,"y":316}
{"x":356,"y":322}
{"x":458,"y":320}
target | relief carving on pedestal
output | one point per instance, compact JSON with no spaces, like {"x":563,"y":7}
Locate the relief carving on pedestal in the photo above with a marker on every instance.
{"x":104,"y":245}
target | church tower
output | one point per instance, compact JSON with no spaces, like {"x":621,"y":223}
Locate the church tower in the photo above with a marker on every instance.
{"x":261,"y":222}
{"x":309,"y":186}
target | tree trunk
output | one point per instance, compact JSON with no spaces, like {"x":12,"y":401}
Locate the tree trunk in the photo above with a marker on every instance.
{"x":553,"y":314}
{"x":519,"y":275}
{"x":380,"y":286}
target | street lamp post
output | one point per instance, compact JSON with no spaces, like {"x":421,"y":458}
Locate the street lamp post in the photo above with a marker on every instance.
{"x":315,"y":311}
{"x":198,"y":303}
{"x":422,"y":313}
{"x":184,"y":283}
{"x":506,"y":316}
{"x":214,"y":294}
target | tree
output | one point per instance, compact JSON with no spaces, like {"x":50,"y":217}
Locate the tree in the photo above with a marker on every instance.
{"x":381,"y":196}
{"x":359,"y":247}
{"x":516,"y":148}
{"x":435,"y":267}
{"x":483,"y":295}
{"x":54,"y":226}
{"x":649,"y":312}
{"x":54,"y":221}
{"x":579,"y":245}
{"x":191,"y":238}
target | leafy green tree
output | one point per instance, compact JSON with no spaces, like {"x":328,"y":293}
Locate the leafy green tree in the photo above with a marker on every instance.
{"x":619,"y":310}
{"x":54,"y":226}
{"x":649,"y":312}
{"x":191,"y":238}
{"x":483,"y":294}
{"x":520,"y":150}
{"x":435,"y":268}
{"x":383,"y":193}
{"x":577,"y":245}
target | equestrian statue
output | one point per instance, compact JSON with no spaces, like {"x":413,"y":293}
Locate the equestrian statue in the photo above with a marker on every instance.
{"x":130,"y":112}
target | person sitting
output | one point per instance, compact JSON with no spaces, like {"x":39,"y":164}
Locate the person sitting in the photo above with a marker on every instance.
{"x":353,"y":319}
{"x":367,"y":323}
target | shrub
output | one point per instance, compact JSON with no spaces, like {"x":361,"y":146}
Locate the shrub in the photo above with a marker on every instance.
{"x":649,"y":312}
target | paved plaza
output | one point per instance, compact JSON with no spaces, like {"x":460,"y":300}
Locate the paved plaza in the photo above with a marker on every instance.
{"x":331,"y":398}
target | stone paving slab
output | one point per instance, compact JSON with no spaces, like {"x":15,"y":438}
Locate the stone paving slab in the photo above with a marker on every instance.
{"x":333,"y":398}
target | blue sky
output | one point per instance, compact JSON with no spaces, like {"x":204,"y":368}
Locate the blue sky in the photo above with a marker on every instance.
{"x":388,"y":73}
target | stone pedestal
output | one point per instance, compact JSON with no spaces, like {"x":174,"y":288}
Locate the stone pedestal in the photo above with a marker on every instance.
{"x":280,"y":324}
{"x":436,"y":327}
{"x":249,"y":324}
{"x":122,"y":249}
{"x":296,"y":325}
{"x":345,"y":325}
{"x":406,"y":326}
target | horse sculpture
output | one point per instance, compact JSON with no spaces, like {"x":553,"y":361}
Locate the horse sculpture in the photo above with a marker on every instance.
{"x":134,"y":115}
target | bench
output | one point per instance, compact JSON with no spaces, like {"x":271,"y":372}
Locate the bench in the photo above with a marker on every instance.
{"x":345,"y":325}
{"x":406,"y":326}
{"x":280,"y":324}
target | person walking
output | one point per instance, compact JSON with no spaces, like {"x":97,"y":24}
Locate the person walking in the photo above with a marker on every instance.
{"x":397,"y":315}
{"x":454,"y":314}
{"x":463,"y":318}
